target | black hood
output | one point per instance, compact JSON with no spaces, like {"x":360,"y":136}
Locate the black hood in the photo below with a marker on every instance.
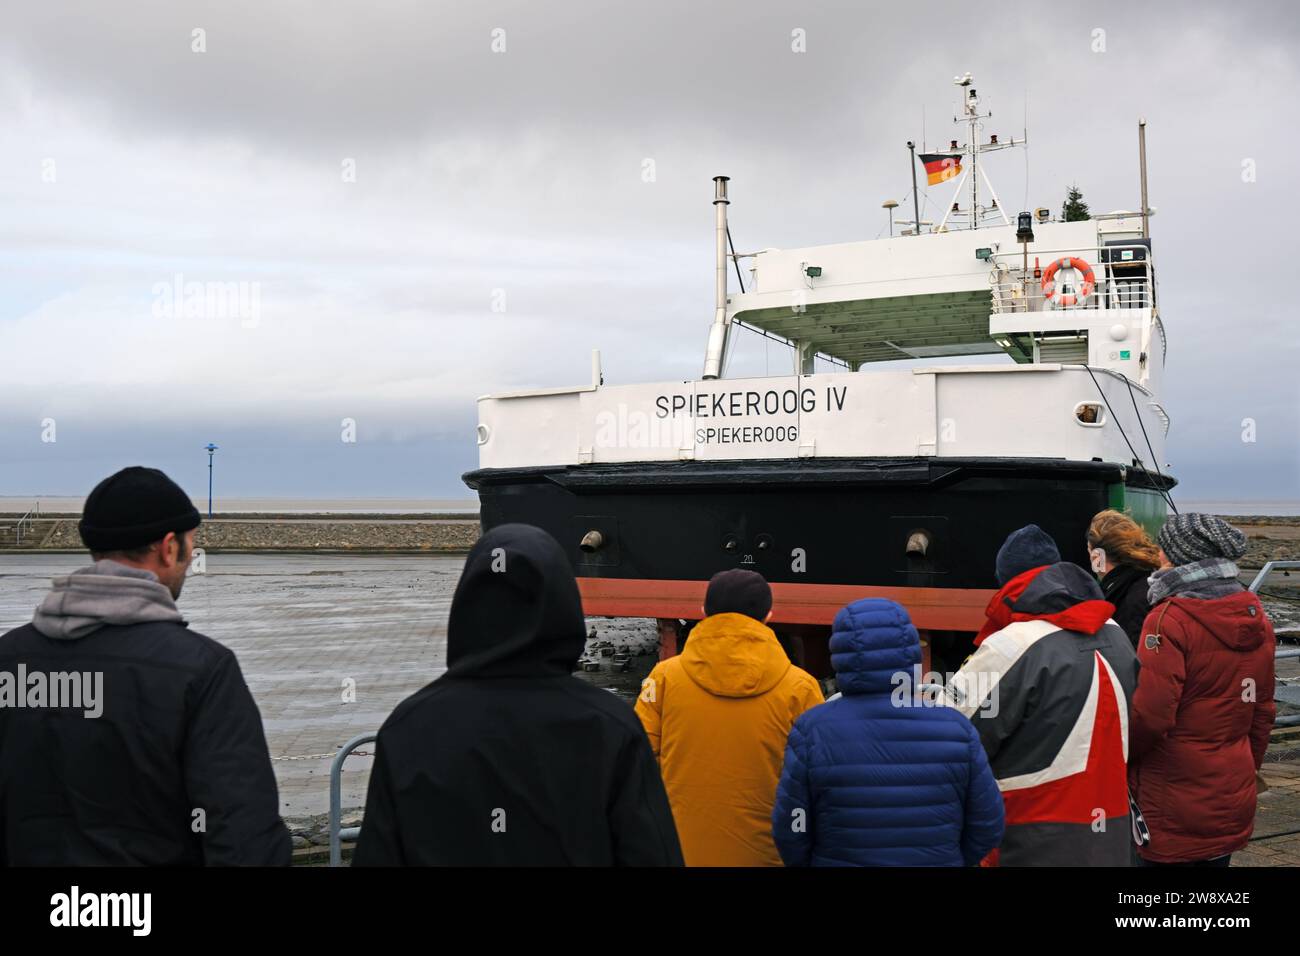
{"x":516,"y":611}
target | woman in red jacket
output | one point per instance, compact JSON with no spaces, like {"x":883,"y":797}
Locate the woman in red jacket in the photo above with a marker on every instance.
{"x":1204,"y":707}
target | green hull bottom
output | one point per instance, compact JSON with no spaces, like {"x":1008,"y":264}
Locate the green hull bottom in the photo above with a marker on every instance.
{"x":1146,"y":506}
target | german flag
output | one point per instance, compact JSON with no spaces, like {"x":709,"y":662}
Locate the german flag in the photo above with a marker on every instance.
{"x":941,"y":166}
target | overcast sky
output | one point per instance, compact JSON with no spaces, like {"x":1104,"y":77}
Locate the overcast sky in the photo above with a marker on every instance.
{"x":484,"y":178}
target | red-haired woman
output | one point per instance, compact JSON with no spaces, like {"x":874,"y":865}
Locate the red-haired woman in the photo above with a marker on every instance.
{"x":1123,"y":557}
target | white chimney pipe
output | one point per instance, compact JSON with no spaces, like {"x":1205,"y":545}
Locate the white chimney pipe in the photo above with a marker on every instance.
{"x":716,"y":354}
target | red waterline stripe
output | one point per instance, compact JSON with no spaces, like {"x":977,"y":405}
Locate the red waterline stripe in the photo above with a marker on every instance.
{"x":937,"y":609}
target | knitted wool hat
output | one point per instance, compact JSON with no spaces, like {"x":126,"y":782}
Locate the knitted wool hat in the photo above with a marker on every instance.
{"x":1030,"y":547}
{"x":132,"y":508}
{"x":738,"y":591}
{"x":1196,"y":537}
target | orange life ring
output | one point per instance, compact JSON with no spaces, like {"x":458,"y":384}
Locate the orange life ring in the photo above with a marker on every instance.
{"x":1069,"y":298}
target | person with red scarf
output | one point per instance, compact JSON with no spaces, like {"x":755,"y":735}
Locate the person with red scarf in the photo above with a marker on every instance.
{"x":1048,"y":688}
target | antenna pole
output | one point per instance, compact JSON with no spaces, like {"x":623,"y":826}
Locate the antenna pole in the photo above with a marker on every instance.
{"x":972,"y":112}
{"x":916,"y":204}
{"x":971,"y":116}
{"x":1142,"y":161}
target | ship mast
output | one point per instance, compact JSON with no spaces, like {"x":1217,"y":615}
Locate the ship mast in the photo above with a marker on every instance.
{"x":971,"y":116}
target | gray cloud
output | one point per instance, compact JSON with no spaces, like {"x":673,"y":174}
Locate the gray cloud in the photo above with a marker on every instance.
{"x":522,"y":171}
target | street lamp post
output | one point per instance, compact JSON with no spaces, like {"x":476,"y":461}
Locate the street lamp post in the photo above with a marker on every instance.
{"x":210,"y":449}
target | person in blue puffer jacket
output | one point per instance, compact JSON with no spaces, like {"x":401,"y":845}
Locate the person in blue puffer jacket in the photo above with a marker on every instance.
{"x":882,"y":776}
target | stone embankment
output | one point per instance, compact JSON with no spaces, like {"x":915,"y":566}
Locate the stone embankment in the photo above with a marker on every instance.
{"x":1270,"y":538}
{"x":361,"y":534}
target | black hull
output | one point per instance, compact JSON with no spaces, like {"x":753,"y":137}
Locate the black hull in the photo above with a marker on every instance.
{"x":850,"y":519}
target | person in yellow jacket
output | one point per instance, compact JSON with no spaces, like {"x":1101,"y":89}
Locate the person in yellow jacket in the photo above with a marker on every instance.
{"x":718,"y":716}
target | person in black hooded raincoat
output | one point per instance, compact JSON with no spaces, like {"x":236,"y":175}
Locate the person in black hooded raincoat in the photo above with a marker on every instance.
{"x":507,"y":758}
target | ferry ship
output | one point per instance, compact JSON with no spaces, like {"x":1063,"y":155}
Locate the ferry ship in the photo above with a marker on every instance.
{"x":870,"y":480}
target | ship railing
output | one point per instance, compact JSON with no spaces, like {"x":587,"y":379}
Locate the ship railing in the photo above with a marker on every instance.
{"x":1120,"y":282}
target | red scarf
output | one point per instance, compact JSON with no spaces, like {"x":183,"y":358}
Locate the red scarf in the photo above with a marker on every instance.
{"x":1086,"y":616}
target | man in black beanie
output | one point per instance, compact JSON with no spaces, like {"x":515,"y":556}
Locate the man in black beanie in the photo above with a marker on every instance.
{"x":153,"y":753}
{"x":141,"y":518}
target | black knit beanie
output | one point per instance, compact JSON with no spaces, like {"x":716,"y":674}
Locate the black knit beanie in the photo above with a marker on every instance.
{"x":1030,"y":547}
{"x":132,"y":508}
{"x":738,"y":591}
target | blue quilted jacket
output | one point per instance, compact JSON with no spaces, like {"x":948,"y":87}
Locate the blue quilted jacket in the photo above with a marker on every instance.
{"x":879,"y":776}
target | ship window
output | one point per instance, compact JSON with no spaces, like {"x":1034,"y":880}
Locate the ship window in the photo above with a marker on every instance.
{"x":1091,"y":414}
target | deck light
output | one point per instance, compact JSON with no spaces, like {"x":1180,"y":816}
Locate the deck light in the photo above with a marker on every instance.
{"x":984,"y":253}
{"x":1025,"y":227}
{"x":813,"y":272}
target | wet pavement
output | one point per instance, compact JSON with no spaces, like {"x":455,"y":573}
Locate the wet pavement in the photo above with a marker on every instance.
{"x":329,"y":645}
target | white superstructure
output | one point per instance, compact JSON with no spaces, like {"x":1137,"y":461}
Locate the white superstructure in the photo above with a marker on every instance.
{"x":1080,"y":380}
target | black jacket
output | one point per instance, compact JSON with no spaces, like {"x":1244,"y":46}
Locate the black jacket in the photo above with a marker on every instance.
{"x":178,"y":733}
{"x":1126,"y":587}
{"x":507,"y":759}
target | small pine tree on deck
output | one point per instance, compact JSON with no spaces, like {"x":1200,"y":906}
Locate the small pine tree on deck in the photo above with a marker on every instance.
{"x":1075,"y":209}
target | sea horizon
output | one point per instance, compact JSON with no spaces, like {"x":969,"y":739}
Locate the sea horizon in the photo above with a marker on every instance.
{"x":397,"y":505}
{"x":265,"y":504}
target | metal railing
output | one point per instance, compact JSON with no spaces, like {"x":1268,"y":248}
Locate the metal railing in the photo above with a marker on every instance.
{"x":1125,"y":284}
{"x":1260,"y":578}
{"x":1267,"y":569}
{"x":1287,"y":720}
{"x":34,"y":512}
{"x":337,"y":833}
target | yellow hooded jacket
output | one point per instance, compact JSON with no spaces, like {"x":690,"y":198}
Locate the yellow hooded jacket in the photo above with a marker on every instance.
{"x":718,"y":717}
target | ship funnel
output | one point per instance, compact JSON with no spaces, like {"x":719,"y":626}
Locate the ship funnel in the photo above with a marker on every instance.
{"x":716,"y":354}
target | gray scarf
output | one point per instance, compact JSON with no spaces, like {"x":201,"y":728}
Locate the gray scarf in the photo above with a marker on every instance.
{"x":1207,"y":579}
{"x":104,"y":593}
